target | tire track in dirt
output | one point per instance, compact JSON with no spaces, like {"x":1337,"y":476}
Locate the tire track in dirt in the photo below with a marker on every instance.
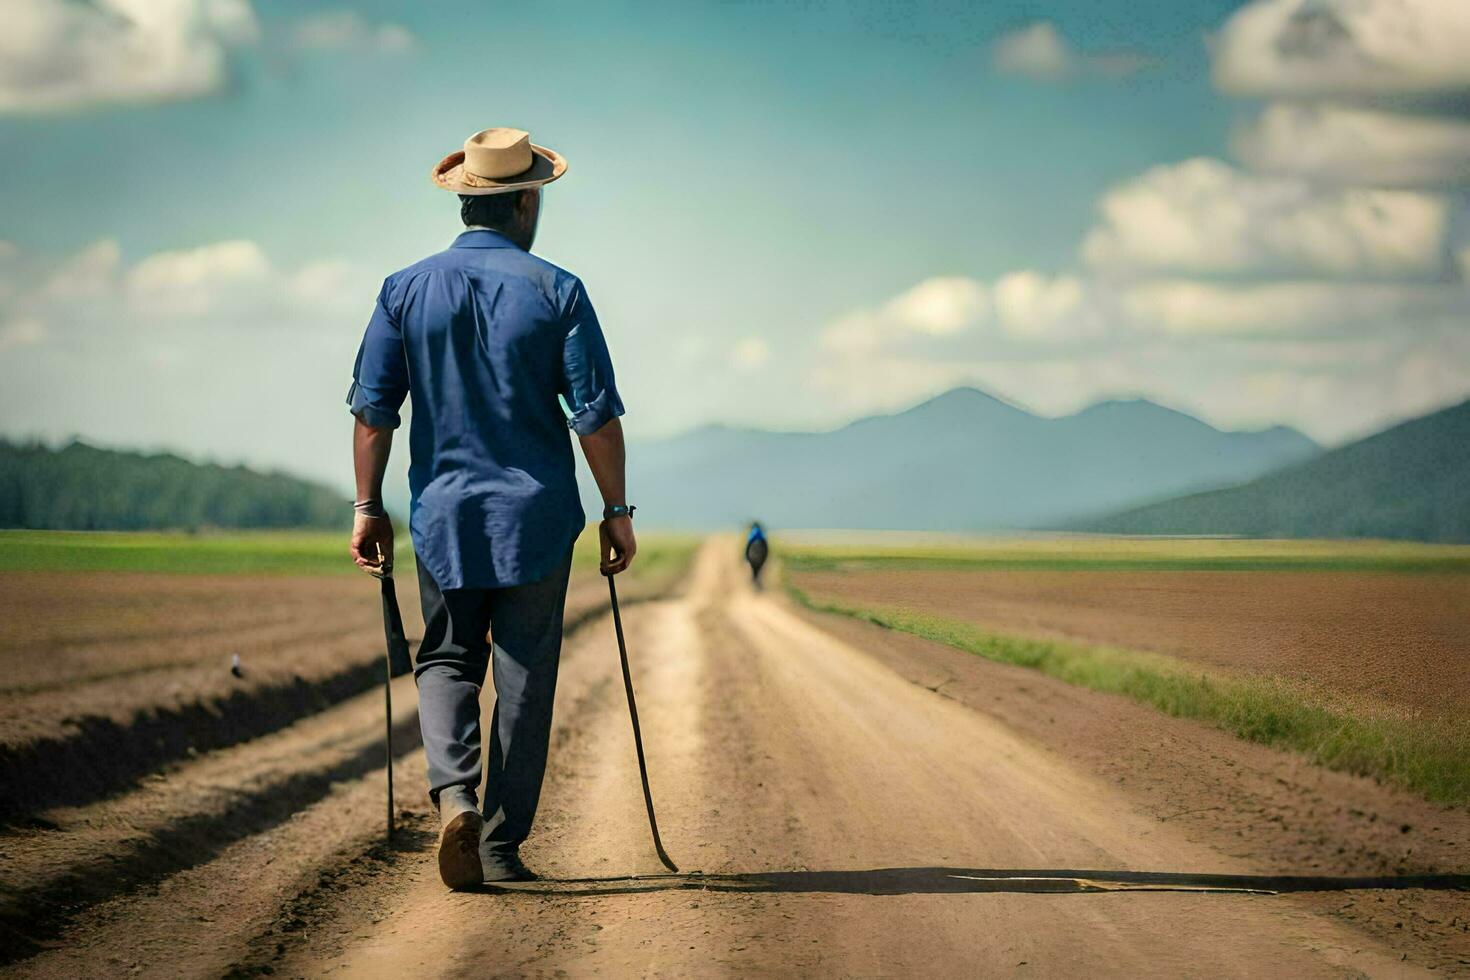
{"x":210,"y":865}
{"x":775,"y":747}
{"x":175,"y":821}
{"x":74,"y":745}
{"x":98,"y":756}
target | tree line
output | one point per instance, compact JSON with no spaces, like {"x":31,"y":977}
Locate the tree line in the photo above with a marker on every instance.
{"x":82,"y":487}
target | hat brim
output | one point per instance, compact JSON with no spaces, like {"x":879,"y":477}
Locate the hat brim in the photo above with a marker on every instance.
{"x":449,"y":174}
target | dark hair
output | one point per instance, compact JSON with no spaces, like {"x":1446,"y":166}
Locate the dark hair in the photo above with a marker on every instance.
{"x":491,"y":210}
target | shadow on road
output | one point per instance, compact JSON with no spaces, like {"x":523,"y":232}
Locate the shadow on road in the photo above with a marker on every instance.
{"x":948,"y":881}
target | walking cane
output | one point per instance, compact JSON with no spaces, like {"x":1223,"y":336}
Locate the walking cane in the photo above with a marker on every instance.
{"x":398,"y":663}
{"x":658,"y":845}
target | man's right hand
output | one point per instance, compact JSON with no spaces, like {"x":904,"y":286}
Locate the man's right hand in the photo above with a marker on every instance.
{"x":619,"y":544}
{"x":372,"y":544}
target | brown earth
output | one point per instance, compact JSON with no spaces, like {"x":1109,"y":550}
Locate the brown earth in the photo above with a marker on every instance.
{"x":1253,"y":803}
{"x":860,"y":802}
{"x":852,"y":822}
{"x":147,"y":769}
{"x":104,"y":644}
{"x":105,"y":676}
{"x":66,"y":629}
{"x":1396,"y":639}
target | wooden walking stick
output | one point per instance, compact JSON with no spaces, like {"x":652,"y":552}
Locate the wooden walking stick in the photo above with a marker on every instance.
{"x":658,"y":845}
{"x":397,"y":662}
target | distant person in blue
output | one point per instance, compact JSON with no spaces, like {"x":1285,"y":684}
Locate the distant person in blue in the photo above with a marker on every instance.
{"x":487,"y":340}
{"x":756,"y":551}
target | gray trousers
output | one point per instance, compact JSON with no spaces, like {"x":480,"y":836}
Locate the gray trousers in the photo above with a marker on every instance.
{"x":525,"y":622}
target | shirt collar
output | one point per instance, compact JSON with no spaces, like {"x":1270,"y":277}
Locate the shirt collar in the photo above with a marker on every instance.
{"x":478,"y":237}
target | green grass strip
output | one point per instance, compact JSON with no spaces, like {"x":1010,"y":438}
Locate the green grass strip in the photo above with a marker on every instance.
{"x":224,"y":553}
{"x":1043,"y":562}
{"x":1429,"y":758}
{"x":897,"y":551}
{"x":661,"y":558}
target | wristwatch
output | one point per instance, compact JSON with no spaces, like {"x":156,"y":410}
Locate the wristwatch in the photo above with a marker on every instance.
{"x":617,"y":510}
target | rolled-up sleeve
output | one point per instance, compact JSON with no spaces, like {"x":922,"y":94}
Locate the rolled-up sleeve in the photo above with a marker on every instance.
{"x":380,"y":376}
{"x":587,"y":372}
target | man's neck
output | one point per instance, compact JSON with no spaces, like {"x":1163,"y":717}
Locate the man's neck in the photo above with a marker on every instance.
{"x":514,"y":238}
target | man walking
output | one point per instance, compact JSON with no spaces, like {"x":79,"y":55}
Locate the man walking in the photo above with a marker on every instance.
{"x":484,"y":337}
{"x":756,"y":549}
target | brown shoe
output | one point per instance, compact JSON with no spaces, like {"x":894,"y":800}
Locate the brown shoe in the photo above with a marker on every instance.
{"x":459,"y":852}
{"x":459,"y":842}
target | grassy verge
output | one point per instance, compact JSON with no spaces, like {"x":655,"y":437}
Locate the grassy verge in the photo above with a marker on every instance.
{"x":661,"y":559}
{"x":223,"y":553}
{"x":1427,"y":758}
{"x":1128,"y":554}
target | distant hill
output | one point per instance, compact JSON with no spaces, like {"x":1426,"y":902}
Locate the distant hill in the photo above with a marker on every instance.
{"x":82,"y":487}
{"x":1411,"y":481}
{"x":962,"y":461}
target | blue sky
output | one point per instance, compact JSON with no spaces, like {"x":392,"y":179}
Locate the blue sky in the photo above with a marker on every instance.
{"x":788,"y":215}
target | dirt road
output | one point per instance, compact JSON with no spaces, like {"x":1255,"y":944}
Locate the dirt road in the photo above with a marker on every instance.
{"x":847,"y":822}
{"x":843,"y":800}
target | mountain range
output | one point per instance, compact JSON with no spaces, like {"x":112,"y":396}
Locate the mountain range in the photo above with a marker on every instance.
{"x":1409,"y":481}
{"x":963,"y":461}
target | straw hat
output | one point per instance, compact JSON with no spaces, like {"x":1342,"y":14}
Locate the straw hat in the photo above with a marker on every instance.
{"x":498,"y":161}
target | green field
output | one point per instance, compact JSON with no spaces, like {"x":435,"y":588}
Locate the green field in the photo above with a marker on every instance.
{"x":815,"y":550}
{"x":1430,"y":756}
{"x":261,"y":552}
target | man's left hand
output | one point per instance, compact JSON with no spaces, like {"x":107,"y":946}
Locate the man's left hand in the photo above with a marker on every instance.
{"x":618,"y":544}
{"x":372,"y":544}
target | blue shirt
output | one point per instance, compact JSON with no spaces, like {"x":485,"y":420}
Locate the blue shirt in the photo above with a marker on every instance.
{"x":484,"y":337}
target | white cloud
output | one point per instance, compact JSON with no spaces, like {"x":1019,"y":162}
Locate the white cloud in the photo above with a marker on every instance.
{"x":1036,"y":51}
{"x":853,"y":333}
{"x":1312,"y":48}
{"x":1029,"y":311}
{"x":1205,"y":217}
{"x":224,"y":284}
{"x":750,"y":354}
{"x":194,"y":282}
{"x":180,"y":369}
{"x":60,"y":54}
{"x":864,"y":385}
{"x":1192,"y":307}
{"x":1332,"y":389}
{"x":937,"y":307}
{"x":90,"y":272}
{"x":1378,"y":386}
{"x":1039,"y":51}
{"x":1373,"y":92}
{"x":24,"y":332}
{"x":331,"y":284}
{"x":1034,"y":307}
{"x":1317,"y":288}
{"x":1357,"y":146}
{"x":348,"y":30}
